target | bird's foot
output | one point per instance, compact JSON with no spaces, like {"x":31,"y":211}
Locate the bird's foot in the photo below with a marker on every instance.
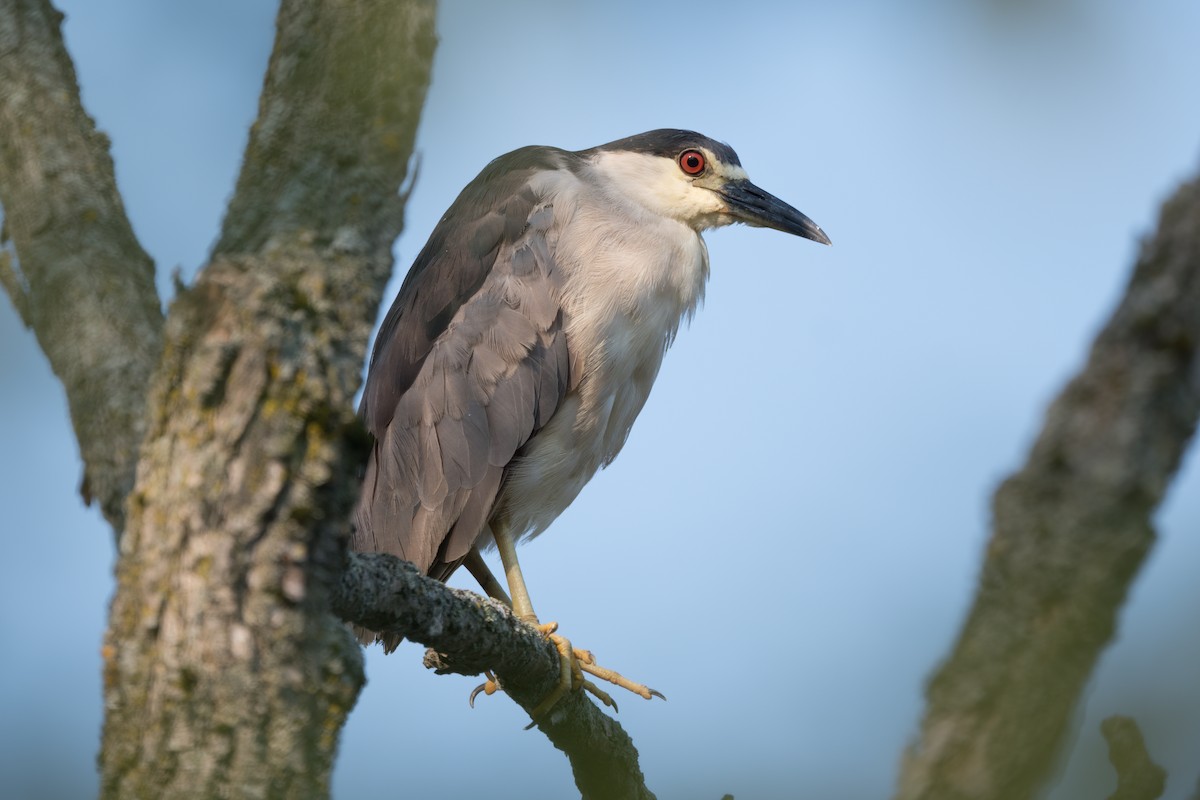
{"x":573,"y":663}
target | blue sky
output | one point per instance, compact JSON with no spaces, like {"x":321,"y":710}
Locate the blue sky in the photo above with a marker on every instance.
{"x":788,"y":543}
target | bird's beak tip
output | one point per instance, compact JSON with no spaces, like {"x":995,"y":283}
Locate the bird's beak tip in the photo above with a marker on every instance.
{"x":750,"y":204}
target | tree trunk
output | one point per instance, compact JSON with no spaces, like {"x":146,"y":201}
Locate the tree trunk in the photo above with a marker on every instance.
{"x":225,"y":674}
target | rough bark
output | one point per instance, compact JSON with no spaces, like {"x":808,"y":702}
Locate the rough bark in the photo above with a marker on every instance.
{"x":1070,"y":531}
{"x":82,"y":282}
{"x":469,"y":634}
{"x":225,"y":675}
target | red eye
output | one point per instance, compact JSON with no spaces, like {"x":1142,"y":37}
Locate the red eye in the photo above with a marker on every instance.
{"x":692,"y":162}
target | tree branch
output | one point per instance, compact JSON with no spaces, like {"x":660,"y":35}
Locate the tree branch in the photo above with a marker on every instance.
{"x":1138,"y":777}
{"x":471,"y":634}
{"x":325,"y":150}
{"x":85,"y":285}
{"x":1071,"y":530}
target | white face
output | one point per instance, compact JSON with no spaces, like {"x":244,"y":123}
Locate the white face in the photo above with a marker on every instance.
{"x":683,"y":187}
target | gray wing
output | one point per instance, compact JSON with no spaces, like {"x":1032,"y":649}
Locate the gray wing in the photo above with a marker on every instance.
{"x":470,"y":362}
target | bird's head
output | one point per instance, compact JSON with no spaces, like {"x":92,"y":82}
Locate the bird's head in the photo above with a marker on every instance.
{"x":689,"y":177}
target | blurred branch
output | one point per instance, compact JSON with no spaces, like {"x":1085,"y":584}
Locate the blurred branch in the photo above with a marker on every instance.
{"x":471,"y":634}
{"x":1070,"y":531}
{"x":85,"y":286}
{"x":1138,"y":778}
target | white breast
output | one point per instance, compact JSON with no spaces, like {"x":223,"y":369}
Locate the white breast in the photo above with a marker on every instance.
{"x":630,"y":278}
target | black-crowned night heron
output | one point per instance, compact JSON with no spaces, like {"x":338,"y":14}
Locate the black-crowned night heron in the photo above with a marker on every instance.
{"x":525,"y":339}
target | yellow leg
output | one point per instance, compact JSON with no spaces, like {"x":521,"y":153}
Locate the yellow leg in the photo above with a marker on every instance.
{"x":521,"y":604}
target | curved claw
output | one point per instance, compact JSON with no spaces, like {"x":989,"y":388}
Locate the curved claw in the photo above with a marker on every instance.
{"x":601,"y":695}
{"x":618,"y":679}
{"x":488,"y":687}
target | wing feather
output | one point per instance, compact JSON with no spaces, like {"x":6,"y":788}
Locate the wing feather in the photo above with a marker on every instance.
{"x":471,"y":361}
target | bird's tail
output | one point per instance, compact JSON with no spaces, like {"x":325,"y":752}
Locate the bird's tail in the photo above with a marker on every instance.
{"x":367,"y":637}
